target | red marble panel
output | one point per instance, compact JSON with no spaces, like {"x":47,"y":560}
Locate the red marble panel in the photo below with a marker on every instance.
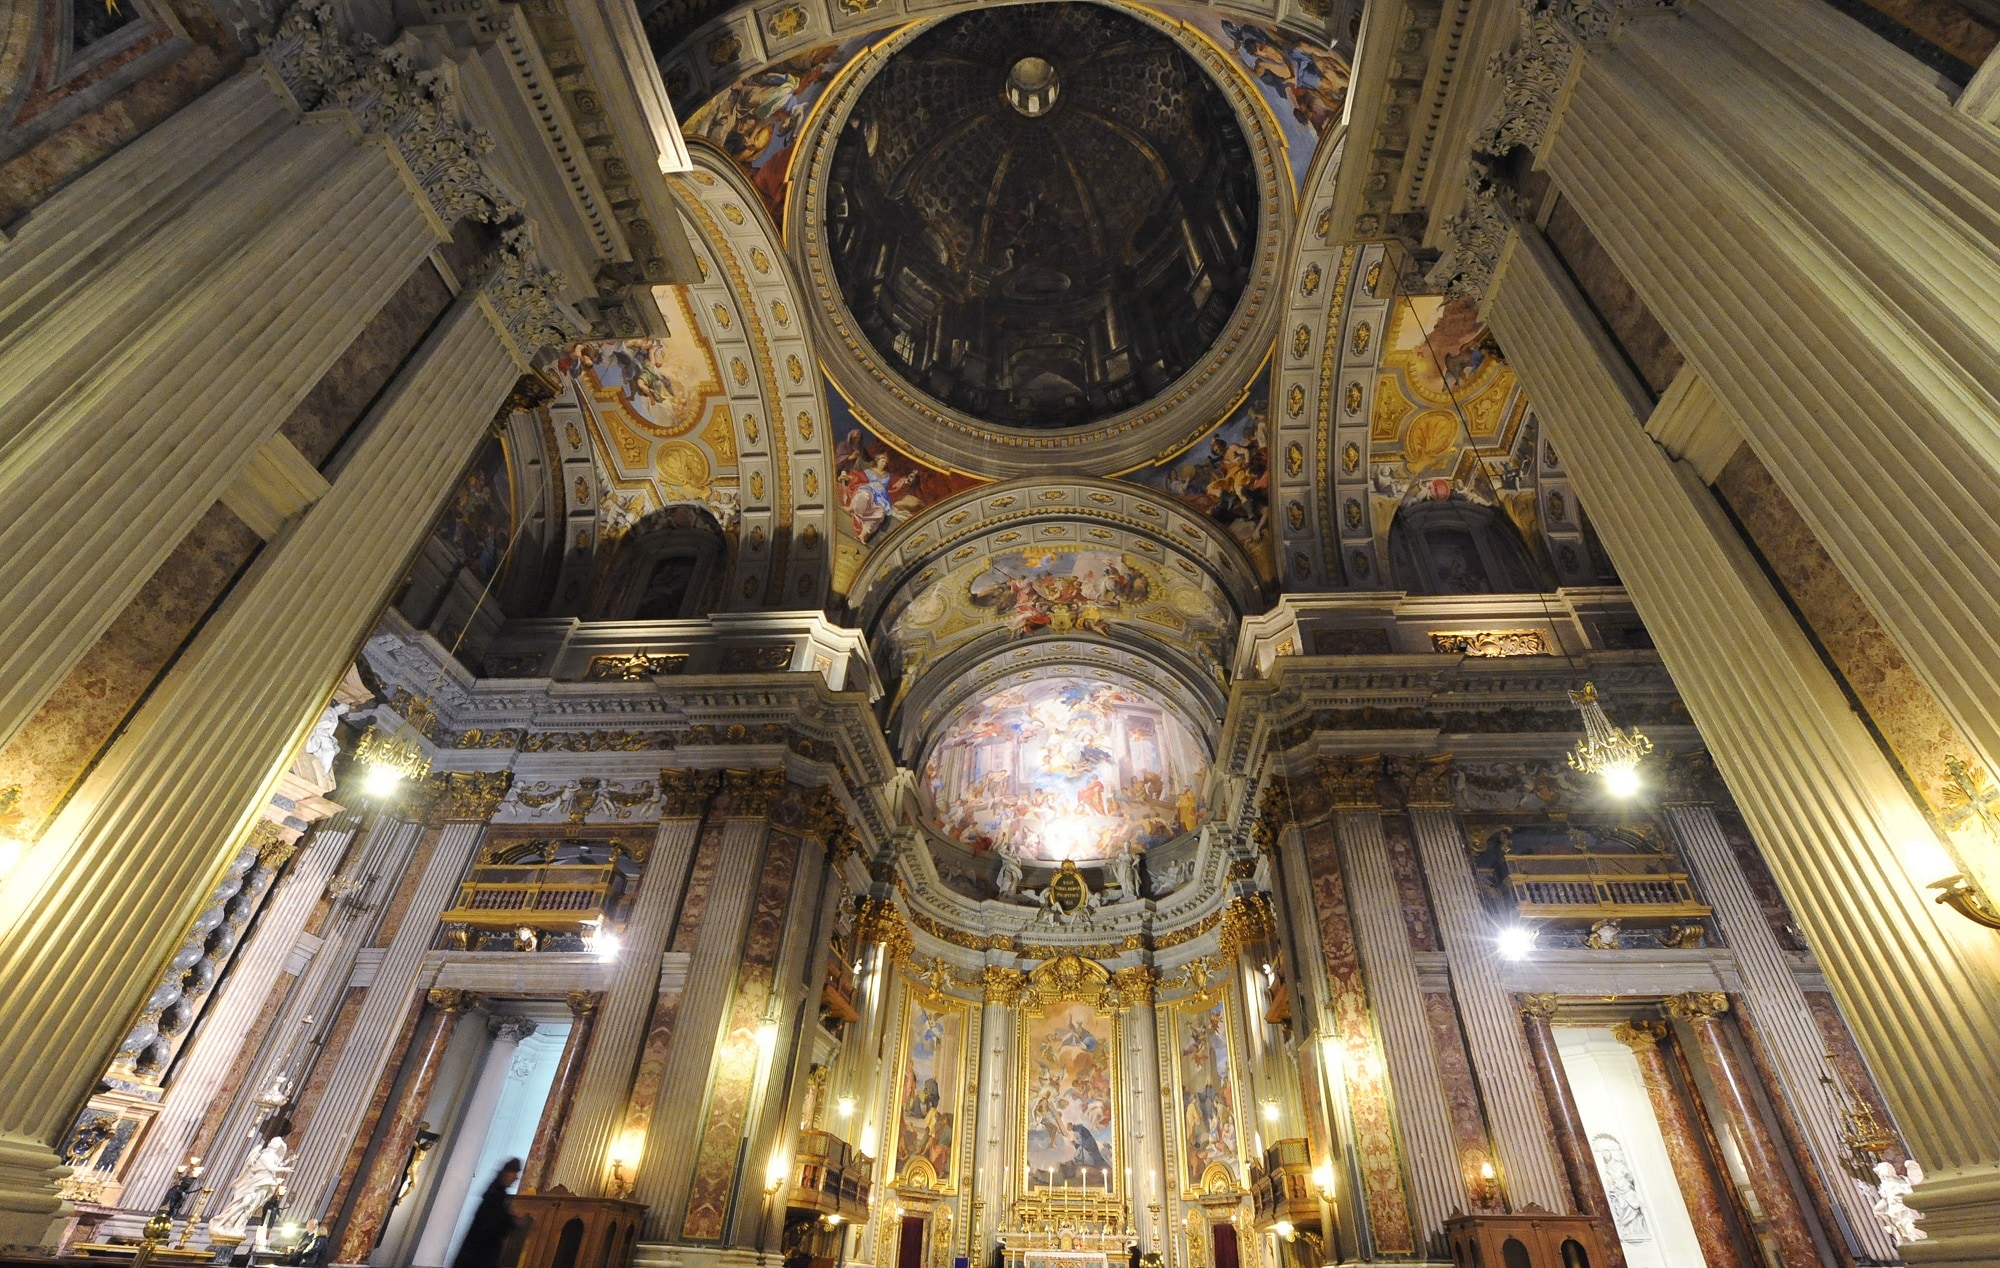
{"x":646,"y":1087}
{"x":1418,"y":917}
{"x":737,"y":1058}
{"x":1461,"y":1098}
{"x":1361,"y":1065}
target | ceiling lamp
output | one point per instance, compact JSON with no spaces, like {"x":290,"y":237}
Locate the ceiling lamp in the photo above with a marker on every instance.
{"x":1605,"y":750}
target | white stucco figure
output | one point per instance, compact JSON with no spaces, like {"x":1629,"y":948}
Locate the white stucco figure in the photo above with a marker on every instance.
{"x":1621,"y":1188}
{"x":1890,"y":1190}
{"x":1125,"y":874}
{"x":255,"y":1185}
{"x":322,"y":745}
{"x":1009,"y":880}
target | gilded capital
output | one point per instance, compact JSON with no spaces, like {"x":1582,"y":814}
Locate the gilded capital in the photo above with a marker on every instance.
{"x":1541,"y":1007}
{"x":275,"y":846}
{"x":1696,"y":1006}
{"x":464,"y":796}
{"x":1272,"y":815}
{"x":1247,"y":922}
{"x":583,"y":1003}
{"x":1001,"y":986}
{"x":1424,"y":781}
{"x":1640,"y":1034}
{"x":1135,"y":985}
{"x":684,"y":794}
{"x":452,"y":1000}
{"x":877,"y":921}
{"x":1352,"y":783}
{"x":752,"y":793}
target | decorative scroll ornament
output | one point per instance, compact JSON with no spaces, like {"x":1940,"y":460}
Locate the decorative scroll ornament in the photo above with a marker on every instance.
{"x":1605,"y":750}
{"x":1640,"y":1034}
{"x":465,"y":796}
{"x":1134,"y":987}
{"x":388,"y":96}
{"x":1488,"y":643}
{"x":448,"y":999}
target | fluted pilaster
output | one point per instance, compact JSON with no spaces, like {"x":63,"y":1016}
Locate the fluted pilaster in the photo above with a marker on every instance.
{"x":1529,"y":1170}
{"x":1428,"y":1149}
{"x":1920,"y":986}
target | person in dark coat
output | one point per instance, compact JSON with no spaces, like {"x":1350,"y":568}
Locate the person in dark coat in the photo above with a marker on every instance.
{"x":486,"y":1237}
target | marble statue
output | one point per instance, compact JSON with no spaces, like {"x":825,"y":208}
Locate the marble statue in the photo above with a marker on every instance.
{"x":1125,"y":874}
{"x":1621,"y":1188}
{"x":1171,"y":877}
{"x":322,"y":745}
{"x":1009,"y":881}
{"x":255,"y":1186}
{"x":1887,"y":1196}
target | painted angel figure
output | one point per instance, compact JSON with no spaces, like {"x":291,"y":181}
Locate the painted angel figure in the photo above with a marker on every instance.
{"x":1890,"y":1190}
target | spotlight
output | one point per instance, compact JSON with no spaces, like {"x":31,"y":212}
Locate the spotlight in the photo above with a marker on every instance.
{"x":1621,"y":781}
{"x":844,"y":1107}
{"x":1517,"y":942}
{"x":382,"y":781}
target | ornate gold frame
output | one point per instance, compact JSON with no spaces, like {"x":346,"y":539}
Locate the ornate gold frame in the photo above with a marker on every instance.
{"x":1202,"y":1001}
{"x":1068,"y":979}
{"x":919,"y":1174}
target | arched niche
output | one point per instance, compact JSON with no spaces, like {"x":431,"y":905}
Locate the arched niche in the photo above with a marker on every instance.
{"x":1459,"y":547}
{"x":669,"y":566}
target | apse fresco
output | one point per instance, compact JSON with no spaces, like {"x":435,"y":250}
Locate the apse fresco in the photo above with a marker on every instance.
{"x":1226,"y":475}
{"x":1042,"y":592}
{"x":1305,"y":84}
{"x":1071,"y":1122}
{"x":878,"y":486}
{"x":1066,"y":768}
{"x":926,"y":1105}
{"x":1206,"y":1089}
{"x":477,"y":523}
{"x":756,"y":120}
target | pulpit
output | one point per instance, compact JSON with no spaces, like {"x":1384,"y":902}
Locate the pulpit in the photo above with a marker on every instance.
{"x":561,"y":1230}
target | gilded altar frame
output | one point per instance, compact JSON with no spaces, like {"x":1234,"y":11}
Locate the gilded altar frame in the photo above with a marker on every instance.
{"x":1213,"y":1181}
{"x":1069,"y":979}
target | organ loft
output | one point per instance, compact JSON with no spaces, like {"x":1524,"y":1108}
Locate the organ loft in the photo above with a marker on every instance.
{"x":1061,"y":634}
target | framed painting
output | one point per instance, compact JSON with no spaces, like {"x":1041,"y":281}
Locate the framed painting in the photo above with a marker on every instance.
{"x":1203,"y":1060}
{"x":1069,"y":1094}
{"x":929,"y":1082}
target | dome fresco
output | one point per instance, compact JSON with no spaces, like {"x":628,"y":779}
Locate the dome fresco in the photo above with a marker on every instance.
{"x":1042,"y":215}
{"x":1065,"y":767}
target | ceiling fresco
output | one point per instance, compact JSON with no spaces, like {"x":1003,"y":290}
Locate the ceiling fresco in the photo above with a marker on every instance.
{"x":664,"y":435}
{"x":879,"y":487}
{"x":1304,"y":82}
{"x":756,"y":121}
{"x":1065,"y":767}
{"x":1041,"y":252}
{"x":1226,"y":475}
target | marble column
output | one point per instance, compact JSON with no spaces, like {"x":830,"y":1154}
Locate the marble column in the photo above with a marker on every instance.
{"x":1763,"y":1156}
{"x":1770,"y":999}
{"x":309,"y":1013}
{"x":992,"y":1173}
{"x":198,"y":1077}
{"x":583,"y":1009}
{"x":376,"y":1192}
{"x":1919,"y":985}
{"x":459,"y":1173}
{"x":1538,"y":1014}
{"x":666,"y":1163}
{"x":91,"y":912}
{"x":339,"y":1119}
{"x":1813,"y":224}
{"x":584,"y":1165}
{"x":1145,"y":1156}
{"x":208,"y":274}
{"x":1429,"y":1151}
{"x":1529,"y":1169}
{"x":1692,"y":1168}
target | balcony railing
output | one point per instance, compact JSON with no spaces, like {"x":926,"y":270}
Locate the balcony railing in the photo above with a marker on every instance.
{"x":1587,"y":885}
{"x":1282,"y":1189}
{"x":555,"y":897}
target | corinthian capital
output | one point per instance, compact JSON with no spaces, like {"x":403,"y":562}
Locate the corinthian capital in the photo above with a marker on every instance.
{"x":1694,"y":1006}
{"x":528,"y":296}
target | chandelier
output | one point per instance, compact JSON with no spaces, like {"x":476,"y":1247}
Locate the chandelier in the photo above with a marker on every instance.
{"x":1605,"y":750}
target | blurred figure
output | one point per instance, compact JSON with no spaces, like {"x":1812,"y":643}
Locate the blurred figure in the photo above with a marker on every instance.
{"x":486,"y":1237}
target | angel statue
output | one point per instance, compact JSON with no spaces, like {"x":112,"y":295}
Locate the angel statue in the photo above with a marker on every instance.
{"x":259,"y":1182}
{"x":1888,"y":1195}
